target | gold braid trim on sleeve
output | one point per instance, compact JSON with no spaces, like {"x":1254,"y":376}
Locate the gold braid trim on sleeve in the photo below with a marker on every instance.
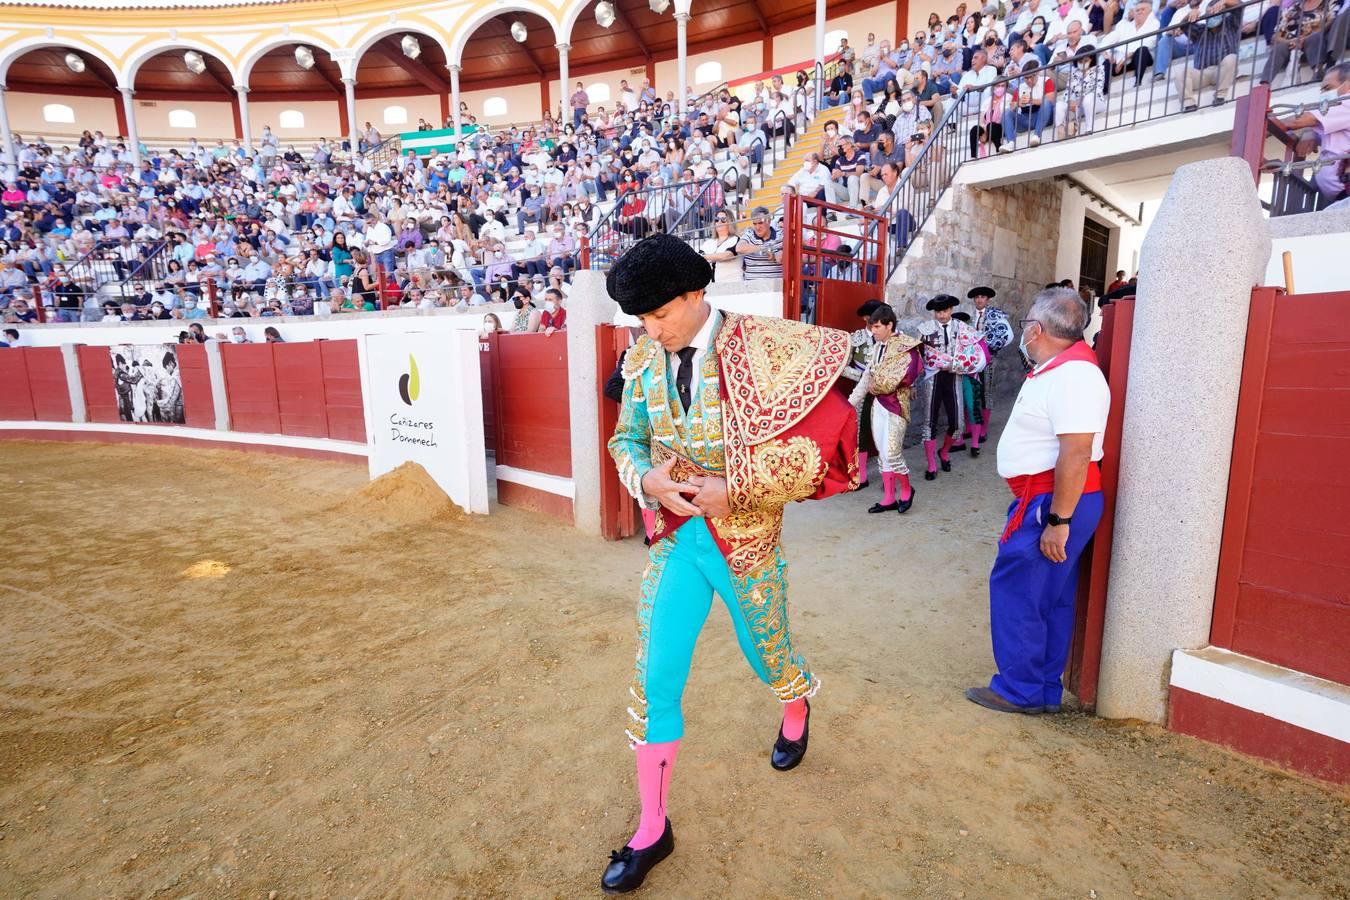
{"x":887,"y":375}
{"x":639,"y":356}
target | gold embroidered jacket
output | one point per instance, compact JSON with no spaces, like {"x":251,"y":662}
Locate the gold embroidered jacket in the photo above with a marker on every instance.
{"x":766,"y":420}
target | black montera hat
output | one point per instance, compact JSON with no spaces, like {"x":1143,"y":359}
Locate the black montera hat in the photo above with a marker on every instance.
{"x":981,"y":292}
{"x":942,"y":301}
{"x":868,"y":308}
{"x":655,"y":271}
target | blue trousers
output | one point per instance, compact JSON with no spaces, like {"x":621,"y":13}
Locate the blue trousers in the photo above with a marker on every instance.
{"x":1031,"y":604}
{"x":676,"y":596}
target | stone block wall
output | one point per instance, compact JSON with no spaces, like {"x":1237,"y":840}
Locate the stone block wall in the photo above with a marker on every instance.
{"x":1006,"y":237}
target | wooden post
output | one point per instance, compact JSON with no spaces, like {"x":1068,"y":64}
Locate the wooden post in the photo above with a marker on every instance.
{"x":212,"y":300}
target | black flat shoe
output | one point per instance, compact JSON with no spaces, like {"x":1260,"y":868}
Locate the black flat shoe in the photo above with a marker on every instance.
{"x":628,"y":867}
{"x":789,"y":754}
{"x":862,"y":485}
{"x":946,"y":464}
{"x":883,"y":507}
{"x":930,"y":476}
{"x":902,"y":506}
{"x":974,"y":451}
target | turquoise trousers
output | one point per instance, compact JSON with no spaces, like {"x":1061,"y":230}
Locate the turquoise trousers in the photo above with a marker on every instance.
{"x":684,"y":571}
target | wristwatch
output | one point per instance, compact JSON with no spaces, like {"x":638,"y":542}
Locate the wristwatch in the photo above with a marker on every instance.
{"x":1058,"y":520}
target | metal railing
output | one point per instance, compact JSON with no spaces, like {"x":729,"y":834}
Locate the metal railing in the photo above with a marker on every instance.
{"x":985,"y":121}
{"x":685,"y":217}
{"x":1292,"y":192}
{"x":827,"y":270}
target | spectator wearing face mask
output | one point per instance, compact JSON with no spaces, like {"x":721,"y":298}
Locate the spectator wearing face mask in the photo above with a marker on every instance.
{"x":1076,"y":106}
{"x":554,"y":316}
{"x":1032,"y":108}
{"x":238,"y":335}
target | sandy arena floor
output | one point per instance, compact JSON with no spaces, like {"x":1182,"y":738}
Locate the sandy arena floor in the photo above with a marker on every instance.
{"x":229,"y":675}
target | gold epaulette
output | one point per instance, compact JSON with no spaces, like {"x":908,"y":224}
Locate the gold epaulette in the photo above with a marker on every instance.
{"x":639,"y":356}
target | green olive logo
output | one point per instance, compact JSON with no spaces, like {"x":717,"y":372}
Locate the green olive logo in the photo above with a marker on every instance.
{"x":410,"y":384}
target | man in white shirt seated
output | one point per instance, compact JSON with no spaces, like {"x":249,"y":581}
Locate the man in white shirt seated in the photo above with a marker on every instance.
{"x":814,"y":180}
{"x":1048,"y":453}
{"x":1128,"y":54}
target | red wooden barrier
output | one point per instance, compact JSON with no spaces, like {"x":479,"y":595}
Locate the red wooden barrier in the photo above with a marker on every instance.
{"x":618,"y":515}
{"x":1284,"y":560}
{"x":16,"y":398}
{"x":199,"y":406}
{"x":100,"y":389}
{"x":343,"y":405}
{"x":48,"y":384}
{"x":529,"y":375}
{"x":251,"y":388}
{"x":1113,"y":352}
{"x":301,"y":404}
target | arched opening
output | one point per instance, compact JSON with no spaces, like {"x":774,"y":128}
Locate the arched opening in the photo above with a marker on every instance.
{"x":493,"y":57}
{"x":708,"y":73}
{"x":64,"y":87}
{"x":407,"y":67}
{"x":58,"y":114}
{"x":178,"y":85}
{"x":598,"y":92}
{"x":303,"y":95}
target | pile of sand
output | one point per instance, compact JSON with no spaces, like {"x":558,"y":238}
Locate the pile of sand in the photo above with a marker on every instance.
{"x":407,"y":495}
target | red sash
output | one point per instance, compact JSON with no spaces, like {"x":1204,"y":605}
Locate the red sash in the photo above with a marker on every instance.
{"x":1027,"y":487}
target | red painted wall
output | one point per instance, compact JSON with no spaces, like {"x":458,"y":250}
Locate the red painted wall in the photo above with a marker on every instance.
{"x":343,"y":404}
{"x":1249,"y":732}
{"x":199,"y":407}
{"x":1281,"y":594}
{"x":251,"y":388}
{"x":16,"y":398}
{"x":529,"y":374}
{"x":299,"y":387}
{"x":100,"y":390}
{"x":33,"y":385}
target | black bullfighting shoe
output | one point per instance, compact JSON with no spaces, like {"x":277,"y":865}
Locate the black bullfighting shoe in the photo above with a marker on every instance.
{"x":902,"y":506}
{"x":789,"y":754}
{"x":628,"y":867}
{"x":882,"y":507}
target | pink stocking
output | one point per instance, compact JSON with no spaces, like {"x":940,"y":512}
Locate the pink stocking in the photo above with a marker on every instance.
{"x":905,"y":490}
{"x":794,"y":713}
{"x":649,"y":522}
{"x":862,"y":465}
{"x":655,"y":762}
{"x":930,"y":453}
{"x":946,"y":451}
{"x":888,"y":490}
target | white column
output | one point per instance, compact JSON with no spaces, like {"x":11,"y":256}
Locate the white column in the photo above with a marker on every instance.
{"x":590,"y":303}
{"x":242,"y":91}
{"x":820,"y":32}
{"x":1170,"y":503}
{"x":11,"y":155}
{"x":563,"y":93}
{"x":454,"y":97}
{"x":130,"y":106}
{"x":353,"y":130}
{"x":682,"y":57}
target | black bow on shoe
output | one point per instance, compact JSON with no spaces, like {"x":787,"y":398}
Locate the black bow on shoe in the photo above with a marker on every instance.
{"x":789,"y":754}
{"x":628,"y":867}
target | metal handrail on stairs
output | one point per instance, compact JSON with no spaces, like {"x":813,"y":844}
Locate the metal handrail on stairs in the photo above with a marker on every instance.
{"x":966,"y":120}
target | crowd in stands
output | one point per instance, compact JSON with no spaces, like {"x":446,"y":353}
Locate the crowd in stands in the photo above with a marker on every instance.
{"x":270,"y":231}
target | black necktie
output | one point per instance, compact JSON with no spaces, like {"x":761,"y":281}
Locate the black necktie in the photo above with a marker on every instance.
{"x":682,"y":377}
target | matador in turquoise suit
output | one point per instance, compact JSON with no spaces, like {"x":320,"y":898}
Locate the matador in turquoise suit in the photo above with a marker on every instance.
{"x":726,"y":418}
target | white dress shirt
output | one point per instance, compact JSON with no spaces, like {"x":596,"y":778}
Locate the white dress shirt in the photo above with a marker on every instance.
{"x":700,"y":342}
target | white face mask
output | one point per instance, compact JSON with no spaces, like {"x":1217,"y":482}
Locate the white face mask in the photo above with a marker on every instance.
{"x":907,"y":106}
{"x":237,"y":338}
{"x":190,"y":304}
{"x":1329,"y":96}
{"x":550,"y":306}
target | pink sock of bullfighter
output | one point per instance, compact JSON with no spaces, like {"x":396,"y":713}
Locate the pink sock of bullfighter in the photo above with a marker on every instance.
{"x":655,"y":762}
{"x":794,"y":716}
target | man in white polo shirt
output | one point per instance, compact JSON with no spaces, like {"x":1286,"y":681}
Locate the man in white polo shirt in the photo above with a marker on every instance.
{"x":1048,"y":453}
